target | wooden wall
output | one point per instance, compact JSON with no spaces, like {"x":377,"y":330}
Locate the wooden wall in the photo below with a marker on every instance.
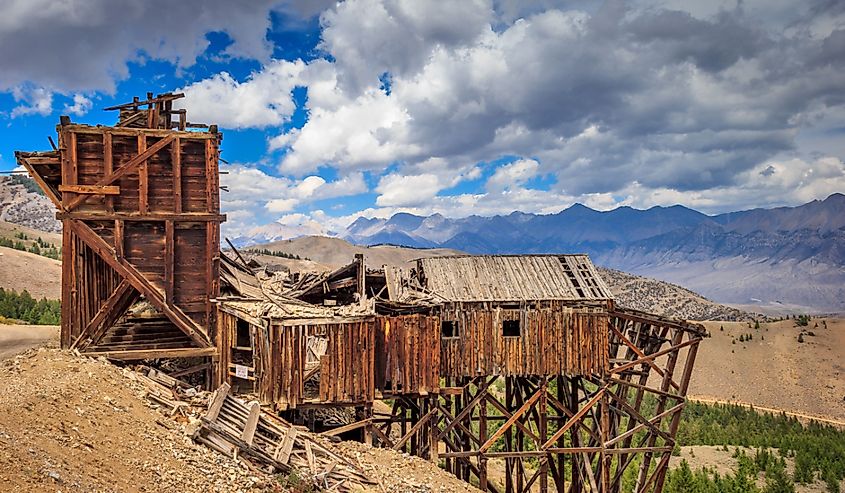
{"x":407,"y":359}
{"x":345,"y":369}
{"x":406,"y":354}
{"x":555,"y":339}
{"x":141,"y":206}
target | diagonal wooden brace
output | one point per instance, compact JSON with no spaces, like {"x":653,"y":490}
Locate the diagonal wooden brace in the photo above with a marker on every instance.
{"x":515,"y":416}
{"x":113,"y":308}
{"x":574,"y":419}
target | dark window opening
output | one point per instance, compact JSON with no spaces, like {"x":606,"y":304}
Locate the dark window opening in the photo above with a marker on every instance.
{"x":510,"y":328}
{"x":242,"y":336}
{"x":448,"y":328}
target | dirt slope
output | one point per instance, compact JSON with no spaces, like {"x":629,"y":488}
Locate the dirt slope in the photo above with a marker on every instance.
{"x":773,"y":369}
{"x":69,"y":423}
{"x":41,"y":276}
{"x":8,"y":230}
{"x":74,"y":424}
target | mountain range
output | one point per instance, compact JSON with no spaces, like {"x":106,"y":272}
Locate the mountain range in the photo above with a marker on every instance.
{"x":786,"y":258}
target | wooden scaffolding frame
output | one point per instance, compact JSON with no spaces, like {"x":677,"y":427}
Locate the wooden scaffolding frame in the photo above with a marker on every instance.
{"x":559,"y":433}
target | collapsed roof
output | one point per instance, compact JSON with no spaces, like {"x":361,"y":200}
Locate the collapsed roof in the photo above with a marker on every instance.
{"x":437,"y":280}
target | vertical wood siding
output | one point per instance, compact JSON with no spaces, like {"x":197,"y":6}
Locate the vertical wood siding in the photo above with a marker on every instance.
{"x":554,"y":339}
{"x":346,"y":368}
{"x":407,"y":354}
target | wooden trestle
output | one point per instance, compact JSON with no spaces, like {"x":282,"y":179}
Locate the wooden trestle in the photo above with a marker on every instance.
{"x":562,"y":433}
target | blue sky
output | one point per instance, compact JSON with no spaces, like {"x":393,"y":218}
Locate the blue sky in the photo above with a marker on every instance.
{"x":371,"y":107}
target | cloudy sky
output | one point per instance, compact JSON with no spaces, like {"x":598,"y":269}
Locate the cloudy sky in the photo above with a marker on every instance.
{"x":369,"y":107}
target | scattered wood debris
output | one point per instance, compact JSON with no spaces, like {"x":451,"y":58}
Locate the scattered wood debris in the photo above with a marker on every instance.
{"x":236,"y":428}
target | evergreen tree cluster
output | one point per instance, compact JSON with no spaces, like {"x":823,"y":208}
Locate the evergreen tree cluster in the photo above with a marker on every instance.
{"x":27,"y":309}
{"x":38,"y":247}
{"x":267,"y":251}
{"x":818,"y":450}
{"x":27,"y":182}
{"x":743,"y":479}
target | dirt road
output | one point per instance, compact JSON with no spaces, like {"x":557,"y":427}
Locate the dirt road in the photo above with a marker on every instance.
{"x":15,"y":339}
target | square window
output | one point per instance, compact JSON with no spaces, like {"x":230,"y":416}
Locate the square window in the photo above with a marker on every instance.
{"x":448,"y":328}
{"x":510,"y":328}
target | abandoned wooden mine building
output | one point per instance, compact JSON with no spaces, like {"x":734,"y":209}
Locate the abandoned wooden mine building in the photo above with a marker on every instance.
{"x":140,"y":212}
{"x":520,"y":358}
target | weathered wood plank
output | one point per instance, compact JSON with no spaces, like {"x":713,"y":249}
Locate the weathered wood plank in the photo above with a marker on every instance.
{"x":91,"y":189}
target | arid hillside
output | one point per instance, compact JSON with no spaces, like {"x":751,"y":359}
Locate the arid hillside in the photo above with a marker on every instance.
{"x":665,"y":298}
{"x":20,"y":269}
{"x":772,"y":369}
{"x":78,"y":424}
{"x":39,"y":275}
{"x":22,"y":202}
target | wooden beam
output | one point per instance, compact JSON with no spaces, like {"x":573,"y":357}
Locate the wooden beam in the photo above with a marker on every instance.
{"x":132,"y":119}
{"x":251,"y":423}
{"x":73,"y":164}
{"x":518,"y":414}
{"x":124,"y":170}
{"x":43,"y":160}
{"x":574,"y":419}
{"x":633,"y":347}
{"x":48,"y":191}
{"x":345,"y":428}
{"x":139,"y":282}
{"x":186,"y":217}
{"x":67,"y":284}
{"x":91,"y":189}
{"x":108,"y":166}
{"x":150,"y":100}
{"x":169,"y":262}
{"x":401,"y":443}
{"x":143,"y":177}
{"x":118,"y":239}
{"x":217,"y":402}
{"x":176,"y":163}
{"x":154,"y":353}
{"x":118,"y":301}
{"x":189,"y":370}
{"x":653,"y":356}
{"x":210,"y":171}
{"x":134,"y":132}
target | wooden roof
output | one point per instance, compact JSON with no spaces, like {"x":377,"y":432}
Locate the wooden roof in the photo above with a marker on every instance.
{"x":513,"y":278}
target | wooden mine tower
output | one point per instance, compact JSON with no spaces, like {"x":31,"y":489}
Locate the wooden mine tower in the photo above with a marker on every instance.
{"x":140,"y":211}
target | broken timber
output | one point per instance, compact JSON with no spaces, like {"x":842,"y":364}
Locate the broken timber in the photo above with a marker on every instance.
{"x":235,"y":428}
